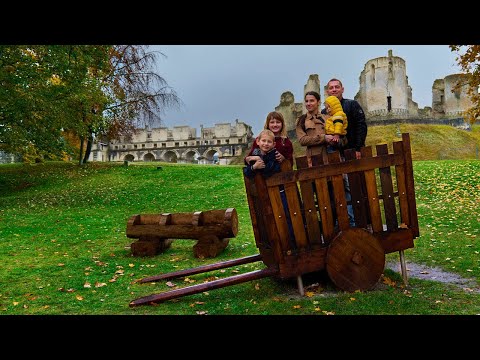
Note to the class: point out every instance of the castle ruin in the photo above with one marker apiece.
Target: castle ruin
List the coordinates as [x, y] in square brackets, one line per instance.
[386, 96]
[219, 144]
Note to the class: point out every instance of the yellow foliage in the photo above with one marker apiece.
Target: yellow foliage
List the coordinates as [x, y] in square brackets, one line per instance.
[55, 80]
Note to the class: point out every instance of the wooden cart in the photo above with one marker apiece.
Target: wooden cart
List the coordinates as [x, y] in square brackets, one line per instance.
[383, 199]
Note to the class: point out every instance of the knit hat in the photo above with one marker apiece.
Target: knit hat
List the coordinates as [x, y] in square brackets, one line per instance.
[334, 104]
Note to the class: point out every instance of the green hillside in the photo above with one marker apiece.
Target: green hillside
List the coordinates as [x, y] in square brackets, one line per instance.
[429, 142]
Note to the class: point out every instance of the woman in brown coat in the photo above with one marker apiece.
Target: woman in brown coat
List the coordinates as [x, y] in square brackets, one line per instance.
[310, 128]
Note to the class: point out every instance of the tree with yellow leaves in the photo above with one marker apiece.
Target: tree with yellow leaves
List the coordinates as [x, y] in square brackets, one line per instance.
[85, 91]
[468, 58]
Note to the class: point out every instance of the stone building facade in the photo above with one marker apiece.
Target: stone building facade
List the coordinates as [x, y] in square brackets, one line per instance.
[448, 100]
[385, 94]
[384, 89]
[6, 158]
[219, 144]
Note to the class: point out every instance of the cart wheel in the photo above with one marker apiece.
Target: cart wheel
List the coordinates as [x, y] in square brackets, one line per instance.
[355, 260]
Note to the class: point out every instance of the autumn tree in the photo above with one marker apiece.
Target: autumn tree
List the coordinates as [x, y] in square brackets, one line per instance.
[137, 94]
[44, 90]
[468, 58]
[51, 93]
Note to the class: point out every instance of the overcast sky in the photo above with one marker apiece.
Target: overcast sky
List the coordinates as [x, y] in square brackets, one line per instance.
[221, 83]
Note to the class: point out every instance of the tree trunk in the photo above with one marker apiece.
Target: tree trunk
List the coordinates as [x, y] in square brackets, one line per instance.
[88, 150]
[81, 151]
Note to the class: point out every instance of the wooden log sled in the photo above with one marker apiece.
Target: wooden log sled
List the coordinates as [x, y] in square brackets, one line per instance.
[155, 232]
[316, 209]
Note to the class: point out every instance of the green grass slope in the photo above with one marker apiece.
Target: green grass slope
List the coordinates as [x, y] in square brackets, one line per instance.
[429, 142]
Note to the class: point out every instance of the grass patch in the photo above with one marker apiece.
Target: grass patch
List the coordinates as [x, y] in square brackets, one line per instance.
[64, 248]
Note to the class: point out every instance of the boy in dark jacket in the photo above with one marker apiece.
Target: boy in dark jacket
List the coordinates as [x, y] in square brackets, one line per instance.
[263, 158]
[263, 161]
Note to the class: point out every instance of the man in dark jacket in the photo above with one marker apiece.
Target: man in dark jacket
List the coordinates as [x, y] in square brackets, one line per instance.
[356, 132]
[357, 127]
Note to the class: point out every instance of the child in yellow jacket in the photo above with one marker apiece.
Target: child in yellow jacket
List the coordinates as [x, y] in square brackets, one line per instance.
[336, 123]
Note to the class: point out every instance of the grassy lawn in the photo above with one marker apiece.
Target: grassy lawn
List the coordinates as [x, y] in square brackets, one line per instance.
[64, 250]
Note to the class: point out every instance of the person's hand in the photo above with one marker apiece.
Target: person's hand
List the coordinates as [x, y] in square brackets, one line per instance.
[259, 164]
[252, 158]
[279, 157]
[358, 154]
[328, 138]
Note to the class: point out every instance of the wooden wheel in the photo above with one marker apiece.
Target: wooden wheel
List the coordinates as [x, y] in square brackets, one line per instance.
[355, 260]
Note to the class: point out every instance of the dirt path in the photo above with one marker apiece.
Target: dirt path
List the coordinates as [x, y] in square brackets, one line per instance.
[435, 274]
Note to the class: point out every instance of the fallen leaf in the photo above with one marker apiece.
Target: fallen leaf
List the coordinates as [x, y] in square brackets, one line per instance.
[87, 285]
[170, 284]
[388, 281]
[309, 294]
[79, 297]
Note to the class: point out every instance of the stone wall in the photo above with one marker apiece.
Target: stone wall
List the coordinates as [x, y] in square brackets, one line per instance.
[179, 144]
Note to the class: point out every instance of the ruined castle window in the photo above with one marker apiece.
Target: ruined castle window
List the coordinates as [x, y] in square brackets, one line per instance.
[116, 147]
[372, 73]
[154, 145]
[227, 141]
[219, 141]
[164, 145]
[143, 145]
[206, 142]
[198, 142]
[390, 70]
[185, 143]
[389, 103]
[177, 144]
[134, 146]
[123, 146]
[149, 136]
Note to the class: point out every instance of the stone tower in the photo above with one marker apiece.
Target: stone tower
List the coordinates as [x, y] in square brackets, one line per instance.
[447, 99]
[384, 89]
[287, 109]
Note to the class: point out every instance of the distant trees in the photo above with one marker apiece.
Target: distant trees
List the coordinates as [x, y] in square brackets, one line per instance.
[468, 58]
[55, 99]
